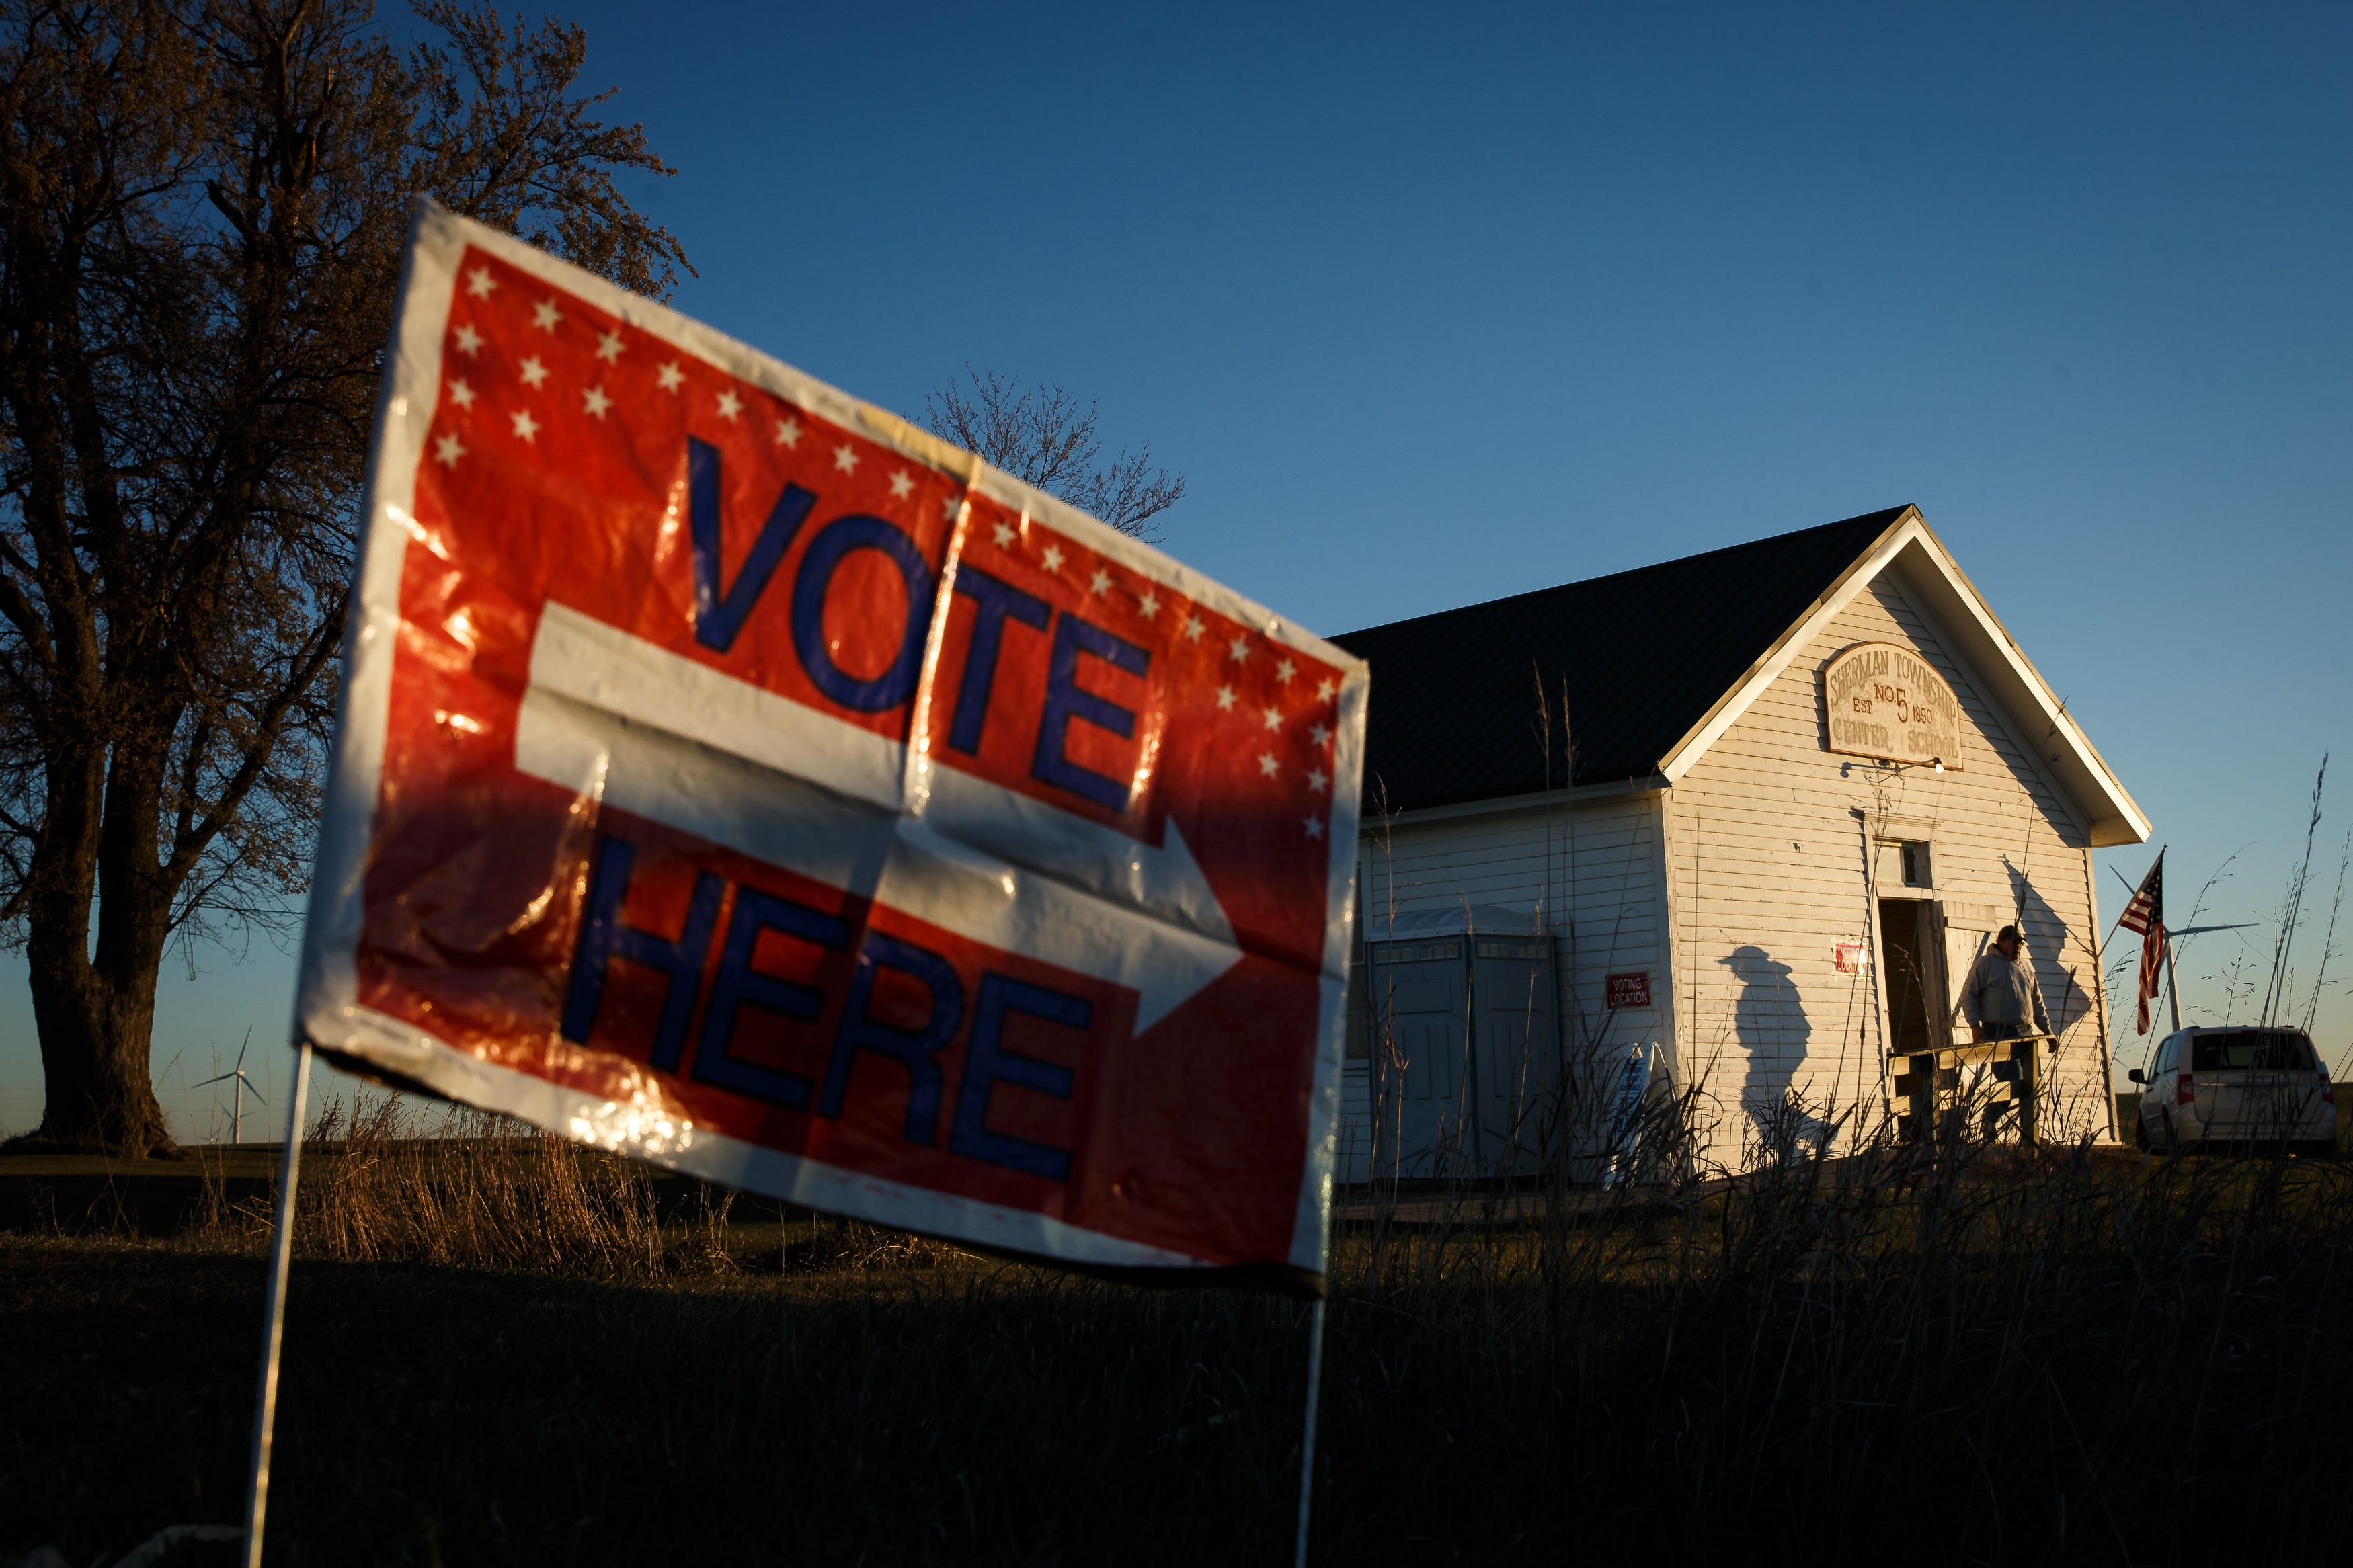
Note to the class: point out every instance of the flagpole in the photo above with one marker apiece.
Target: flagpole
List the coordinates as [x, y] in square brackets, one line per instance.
[1307, 1439]
[273, 1312]
[2172, 983]
[2152, 926]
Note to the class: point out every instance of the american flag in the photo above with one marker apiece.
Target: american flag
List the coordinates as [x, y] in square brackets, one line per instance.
[2146, 914]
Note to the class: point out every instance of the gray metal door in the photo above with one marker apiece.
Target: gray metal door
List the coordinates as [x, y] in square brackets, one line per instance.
[1516, 1054]
[1420, 1030]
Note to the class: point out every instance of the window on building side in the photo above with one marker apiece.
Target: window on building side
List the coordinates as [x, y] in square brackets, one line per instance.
[1916, 865]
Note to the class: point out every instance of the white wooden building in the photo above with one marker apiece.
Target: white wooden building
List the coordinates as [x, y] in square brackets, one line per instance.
[1742, 819]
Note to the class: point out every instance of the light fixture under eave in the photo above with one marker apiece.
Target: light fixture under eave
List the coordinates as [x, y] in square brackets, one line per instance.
[1940, 762]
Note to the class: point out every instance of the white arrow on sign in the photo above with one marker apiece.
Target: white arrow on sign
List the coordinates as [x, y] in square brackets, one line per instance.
[576, 656]
[647, 768]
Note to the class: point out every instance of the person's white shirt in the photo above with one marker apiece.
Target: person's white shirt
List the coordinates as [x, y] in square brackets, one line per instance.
[2001, 990]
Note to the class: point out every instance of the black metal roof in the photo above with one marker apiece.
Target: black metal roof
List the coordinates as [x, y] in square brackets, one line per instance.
[1643, 654]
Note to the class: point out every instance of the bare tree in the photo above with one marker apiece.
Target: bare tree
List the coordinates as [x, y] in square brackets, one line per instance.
[1044, 437]
[203, 205]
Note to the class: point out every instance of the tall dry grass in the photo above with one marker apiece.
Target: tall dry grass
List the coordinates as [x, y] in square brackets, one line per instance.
[1955, 1351]
[1994, 1353]
[387, 1182]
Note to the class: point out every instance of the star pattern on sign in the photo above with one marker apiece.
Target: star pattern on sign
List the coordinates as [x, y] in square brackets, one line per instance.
[532, 372]
[952, 507]
[788, 433]
[1319, 733]
[1148, 605]
[479, 283]
[470, 341]
[545, 315]
[670, 376]
[1268, 765]
[1052, 558]
[1318, 780]
[610, 346]
[1285, 670]
[1194, 628]
[1271, 718]
[1323, 690]
[1100, 583]
[902, 486]
[1225, 699]
[1239, 649]
[594, 401]
[448, 450]
[461, 394]
[730, 405]
[1003, 534]
[1314, 826]
[845, 458]
[525, 427]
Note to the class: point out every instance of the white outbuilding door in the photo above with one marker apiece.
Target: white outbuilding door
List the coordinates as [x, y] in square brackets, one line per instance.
[1461, 1057]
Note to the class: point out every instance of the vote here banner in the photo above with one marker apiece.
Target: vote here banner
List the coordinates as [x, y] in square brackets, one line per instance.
[733, 776]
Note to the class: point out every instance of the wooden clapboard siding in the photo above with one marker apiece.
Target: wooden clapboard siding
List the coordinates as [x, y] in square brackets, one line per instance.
[1765, 842]
[1599, 856]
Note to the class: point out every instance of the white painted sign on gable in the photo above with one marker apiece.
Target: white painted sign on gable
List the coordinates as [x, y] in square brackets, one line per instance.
[1882, 700]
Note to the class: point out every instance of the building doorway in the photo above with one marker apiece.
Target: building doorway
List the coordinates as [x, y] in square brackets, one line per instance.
[1915, 989]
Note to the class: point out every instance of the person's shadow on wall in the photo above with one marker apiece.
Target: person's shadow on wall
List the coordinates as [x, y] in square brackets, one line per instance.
[1769, 1021]
[2046, 942]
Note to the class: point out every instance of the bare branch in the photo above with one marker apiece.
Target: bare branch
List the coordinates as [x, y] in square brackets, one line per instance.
[1044, 437]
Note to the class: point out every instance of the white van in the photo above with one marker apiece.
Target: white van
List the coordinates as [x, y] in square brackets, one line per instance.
[2249, 1088]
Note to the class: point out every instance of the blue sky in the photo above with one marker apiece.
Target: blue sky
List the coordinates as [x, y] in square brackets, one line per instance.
[1430, 307]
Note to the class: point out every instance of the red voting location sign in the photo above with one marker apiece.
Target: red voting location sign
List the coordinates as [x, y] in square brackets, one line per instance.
[733, 776]
[1631, 989]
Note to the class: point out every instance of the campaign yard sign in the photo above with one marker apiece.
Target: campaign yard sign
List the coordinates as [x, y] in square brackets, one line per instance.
[733, 776]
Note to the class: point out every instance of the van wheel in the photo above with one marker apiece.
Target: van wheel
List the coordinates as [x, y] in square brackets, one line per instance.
[2140, 1134]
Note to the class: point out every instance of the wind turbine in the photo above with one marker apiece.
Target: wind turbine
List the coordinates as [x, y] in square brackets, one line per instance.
[238, 1083]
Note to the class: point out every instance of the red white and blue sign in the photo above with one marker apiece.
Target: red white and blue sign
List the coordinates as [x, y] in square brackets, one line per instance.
[733, 775]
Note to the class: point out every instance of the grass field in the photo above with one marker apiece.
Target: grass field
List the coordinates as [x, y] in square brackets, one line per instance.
[526, 1354]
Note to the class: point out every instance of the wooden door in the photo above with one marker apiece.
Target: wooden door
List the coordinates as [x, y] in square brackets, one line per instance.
[1964, 945]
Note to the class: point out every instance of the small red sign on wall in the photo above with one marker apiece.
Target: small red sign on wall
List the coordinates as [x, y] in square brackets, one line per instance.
[1631, 989]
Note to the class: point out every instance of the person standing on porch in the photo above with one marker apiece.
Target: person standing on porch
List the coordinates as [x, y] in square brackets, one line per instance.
[2001, 996]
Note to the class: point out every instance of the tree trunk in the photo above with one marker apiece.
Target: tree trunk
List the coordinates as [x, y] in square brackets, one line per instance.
[95, 1018]
[95, 1024]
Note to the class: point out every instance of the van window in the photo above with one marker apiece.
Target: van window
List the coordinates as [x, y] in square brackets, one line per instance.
[2280, 1050]
[2167, 1053]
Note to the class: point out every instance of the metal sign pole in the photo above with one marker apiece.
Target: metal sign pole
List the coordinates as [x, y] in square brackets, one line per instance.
[1307, 1438]
[273, 1312]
